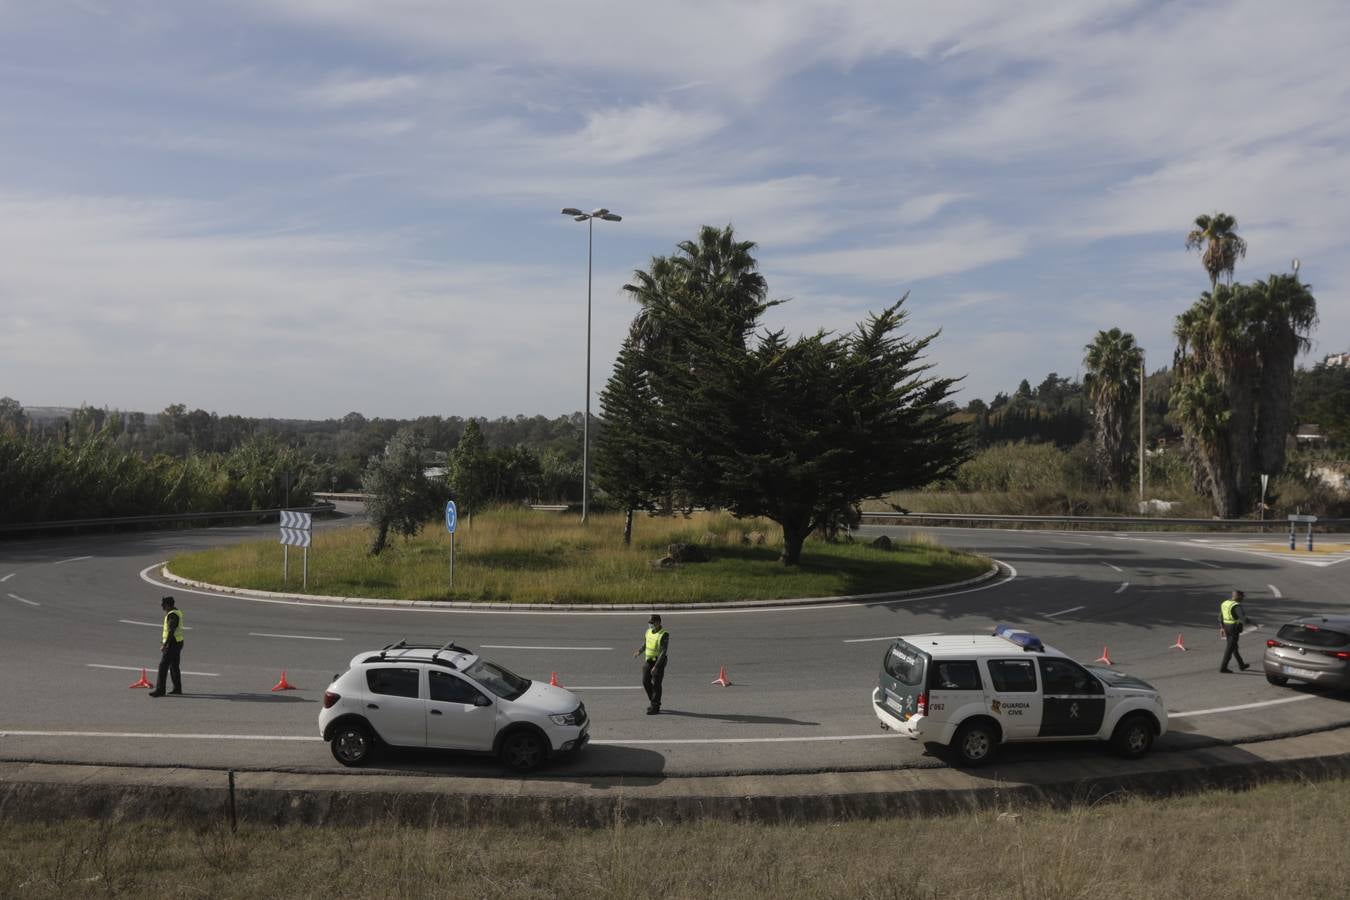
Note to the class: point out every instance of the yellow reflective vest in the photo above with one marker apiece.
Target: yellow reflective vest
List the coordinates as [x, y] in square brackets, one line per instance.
[1226, 611]
[653, 646]
[178, 627]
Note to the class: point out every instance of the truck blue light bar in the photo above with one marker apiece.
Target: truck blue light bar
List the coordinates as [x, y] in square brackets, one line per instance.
[1024, 639]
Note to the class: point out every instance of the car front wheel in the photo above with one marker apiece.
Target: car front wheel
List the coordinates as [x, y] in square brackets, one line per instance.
[975, 743]
[522, 751]
[353, 744]
[1133, 737]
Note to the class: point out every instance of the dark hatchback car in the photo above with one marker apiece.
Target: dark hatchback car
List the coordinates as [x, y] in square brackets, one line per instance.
[1313, 649]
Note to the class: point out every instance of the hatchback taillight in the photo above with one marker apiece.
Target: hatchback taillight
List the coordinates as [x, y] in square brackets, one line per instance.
[1273, 643]
[1339, 654]
[329, 698]
[922, 705]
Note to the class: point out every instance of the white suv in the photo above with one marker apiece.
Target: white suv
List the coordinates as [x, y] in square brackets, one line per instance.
[972, 692]
[446, 697]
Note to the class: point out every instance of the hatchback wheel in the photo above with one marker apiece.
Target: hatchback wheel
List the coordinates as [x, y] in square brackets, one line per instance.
[522, 751]
[1133, 737]
[353, 745]
[975, 743]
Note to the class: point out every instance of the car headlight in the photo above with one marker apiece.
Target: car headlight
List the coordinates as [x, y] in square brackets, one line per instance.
[566, 719]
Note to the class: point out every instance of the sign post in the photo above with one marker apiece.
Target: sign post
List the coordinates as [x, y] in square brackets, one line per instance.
[1293, 522]
[451, 520]
[1261, 510]
[296, 531]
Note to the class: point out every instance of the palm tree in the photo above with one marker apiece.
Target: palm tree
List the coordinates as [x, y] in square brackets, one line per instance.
[1112, 381]
[1285, 313]
[1222, 247]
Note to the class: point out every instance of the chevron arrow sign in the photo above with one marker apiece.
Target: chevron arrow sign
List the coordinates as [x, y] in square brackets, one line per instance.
[296, 520]
[295, 537]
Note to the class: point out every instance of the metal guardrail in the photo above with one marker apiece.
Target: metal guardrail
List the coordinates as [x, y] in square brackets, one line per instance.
[1155, 521]
[227, 515]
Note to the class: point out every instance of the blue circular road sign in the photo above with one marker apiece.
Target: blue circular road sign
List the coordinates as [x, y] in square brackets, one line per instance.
[451, 516]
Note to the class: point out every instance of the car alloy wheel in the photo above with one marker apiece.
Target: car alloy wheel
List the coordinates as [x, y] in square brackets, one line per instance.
[352, 745]
[523, 751]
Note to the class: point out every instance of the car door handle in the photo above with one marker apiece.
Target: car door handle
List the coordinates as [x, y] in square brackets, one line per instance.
[435, 712]
[372, 706]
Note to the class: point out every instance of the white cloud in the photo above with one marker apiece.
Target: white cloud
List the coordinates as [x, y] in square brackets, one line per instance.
[915, 257]
[651, 129]
[348, 91]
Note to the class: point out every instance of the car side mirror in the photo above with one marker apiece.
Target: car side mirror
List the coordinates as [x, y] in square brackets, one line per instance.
[480, 700]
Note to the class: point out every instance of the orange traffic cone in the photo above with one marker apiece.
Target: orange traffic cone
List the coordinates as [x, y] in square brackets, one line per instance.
[143, 683]
[553, 680]
[283, 684]
[722, 677]
[1105, 657]
[1180, 644]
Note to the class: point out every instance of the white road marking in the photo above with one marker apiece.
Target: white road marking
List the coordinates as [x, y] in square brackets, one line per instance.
[1276, 591]
[138, 668]
[1074, 543]
[21, 600]
[1224, 709]
[149, 624]
[1200, 562]
[379, 606]
[298, 637]
[1062, 612]
[1117, 568]
[7, 577]
[519, 647]
[891, 637]
[62, 562]
[603, 687]
[1123, 586]
[883, 736]
[144, 734]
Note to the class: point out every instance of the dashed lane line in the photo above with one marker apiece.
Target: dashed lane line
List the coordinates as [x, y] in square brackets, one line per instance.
[297, 637]
[1244, 706]
[146, 734]
[1123, 586]
[149, 624]
[888, 638]
[62, 562]
[520, 647]
[1109, 566]
[1200, 562]
[7, 578]
[22, 600]
[138, 668]
[1276, 591]
[1063, 612]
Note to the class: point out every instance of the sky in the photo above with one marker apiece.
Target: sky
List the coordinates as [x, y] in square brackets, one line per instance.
[304, 208]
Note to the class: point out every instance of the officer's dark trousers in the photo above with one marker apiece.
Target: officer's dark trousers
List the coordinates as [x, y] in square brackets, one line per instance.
[652, 673]
[1230, 650]
[168, 666]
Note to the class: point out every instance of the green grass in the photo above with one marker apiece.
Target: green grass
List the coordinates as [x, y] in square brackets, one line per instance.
[1277, 840]
[534, 557]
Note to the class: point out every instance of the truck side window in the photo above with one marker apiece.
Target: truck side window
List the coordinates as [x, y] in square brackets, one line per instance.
[1065, 677]
[1013, 676]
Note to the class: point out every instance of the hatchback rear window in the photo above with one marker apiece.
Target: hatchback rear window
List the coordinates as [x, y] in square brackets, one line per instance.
[905, 664]
[1313, 636]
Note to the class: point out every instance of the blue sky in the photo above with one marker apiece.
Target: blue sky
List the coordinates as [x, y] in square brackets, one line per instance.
[302, 208]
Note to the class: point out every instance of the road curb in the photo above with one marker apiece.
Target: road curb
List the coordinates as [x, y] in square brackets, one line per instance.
[935, 590]
[41, 792]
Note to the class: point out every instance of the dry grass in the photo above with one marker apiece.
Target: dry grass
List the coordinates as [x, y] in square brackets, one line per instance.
[525, 556]
[1276, 840]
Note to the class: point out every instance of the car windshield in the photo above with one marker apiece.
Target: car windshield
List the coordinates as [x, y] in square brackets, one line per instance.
[1313, 636]
[498, 679]
[904, 663]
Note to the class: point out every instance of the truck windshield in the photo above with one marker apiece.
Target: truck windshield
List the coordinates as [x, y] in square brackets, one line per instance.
[904, 663]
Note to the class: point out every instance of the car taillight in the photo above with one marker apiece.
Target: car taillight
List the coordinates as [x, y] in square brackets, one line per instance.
[1273, 643]
[922, 705]
[1339, 654]
[329, 698]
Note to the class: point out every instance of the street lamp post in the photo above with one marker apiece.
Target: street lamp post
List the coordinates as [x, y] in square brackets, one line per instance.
[589, 218]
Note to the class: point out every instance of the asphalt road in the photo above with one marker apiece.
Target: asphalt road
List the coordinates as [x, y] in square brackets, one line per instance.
[80, 616]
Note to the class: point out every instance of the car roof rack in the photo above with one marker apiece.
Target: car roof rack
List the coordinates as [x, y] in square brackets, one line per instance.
[437, 649]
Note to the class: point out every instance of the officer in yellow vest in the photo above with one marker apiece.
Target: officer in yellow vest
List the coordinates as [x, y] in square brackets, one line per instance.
[170, 649]
[653, 650]
[1232, 619]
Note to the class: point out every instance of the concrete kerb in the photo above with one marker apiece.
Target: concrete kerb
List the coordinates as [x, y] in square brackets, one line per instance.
[41, 792]
[883, 597]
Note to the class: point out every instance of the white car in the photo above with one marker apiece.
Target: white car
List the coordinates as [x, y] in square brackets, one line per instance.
[972, 692]
[446, 697]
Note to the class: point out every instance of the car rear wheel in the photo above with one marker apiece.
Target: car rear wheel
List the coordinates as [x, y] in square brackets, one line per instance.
[1277, 680]
[1133, 737]
[353, 744]
[975, 743]
[522, 751]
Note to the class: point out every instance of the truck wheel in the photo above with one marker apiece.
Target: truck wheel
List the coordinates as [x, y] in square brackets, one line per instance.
[1133, 736]
[975, 742]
